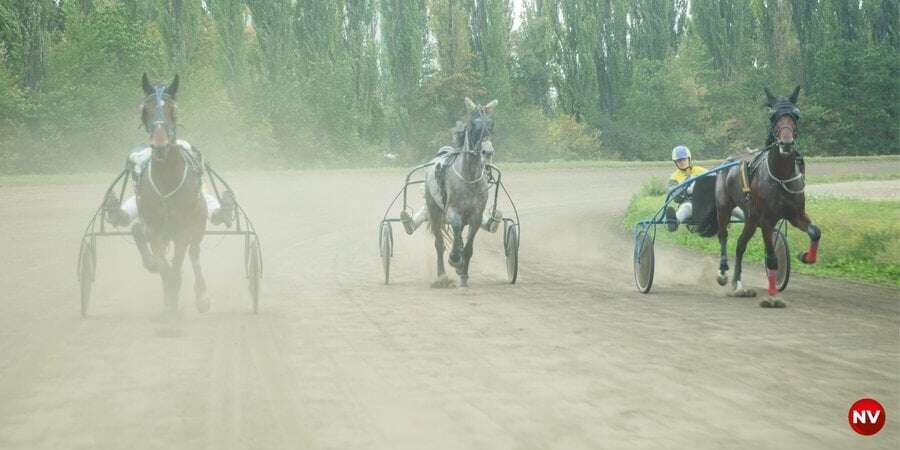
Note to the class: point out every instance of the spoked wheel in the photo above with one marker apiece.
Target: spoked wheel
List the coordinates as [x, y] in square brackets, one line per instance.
[784, 259]
[511, 248]
[643, 260]
[254, 271]
[87, 271]
[386, 248]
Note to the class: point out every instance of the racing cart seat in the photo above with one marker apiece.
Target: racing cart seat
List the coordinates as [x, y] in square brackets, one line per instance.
[703, 221]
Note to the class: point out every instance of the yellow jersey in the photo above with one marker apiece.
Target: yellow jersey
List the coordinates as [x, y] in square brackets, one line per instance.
[679, 176]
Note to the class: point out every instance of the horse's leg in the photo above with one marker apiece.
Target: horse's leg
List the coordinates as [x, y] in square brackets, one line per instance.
[436, 223]
[768, 229]
[174, 286]
[456, 225]
[803, 222]
[201, 300]
[158, 247]
[724, 219]
[150, 261]
[739, 291]
[467, 253]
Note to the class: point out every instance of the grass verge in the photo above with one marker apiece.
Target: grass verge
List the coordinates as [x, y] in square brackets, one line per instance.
[860, 238]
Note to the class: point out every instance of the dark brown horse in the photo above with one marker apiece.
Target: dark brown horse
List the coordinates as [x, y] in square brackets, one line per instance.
[776, 183]
[170, 205]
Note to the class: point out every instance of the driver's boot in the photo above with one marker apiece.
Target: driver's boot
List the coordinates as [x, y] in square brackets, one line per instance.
[671, 220]
[492, 222]
[411, 223]
[112, 208]
[225, 213]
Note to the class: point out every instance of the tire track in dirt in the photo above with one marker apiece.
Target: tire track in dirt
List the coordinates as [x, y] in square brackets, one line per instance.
[570, 357]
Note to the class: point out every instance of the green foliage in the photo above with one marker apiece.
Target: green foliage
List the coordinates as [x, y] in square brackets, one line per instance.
[310, 82]
[860, 239]
[654, 187]
[573, 140]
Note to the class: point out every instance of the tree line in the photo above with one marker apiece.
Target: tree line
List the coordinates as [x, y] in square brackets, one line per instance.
[295, 83]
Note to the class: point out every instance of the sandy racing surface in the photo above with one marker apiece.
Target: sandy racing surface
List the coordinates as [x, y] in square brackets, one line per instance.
[571, 357]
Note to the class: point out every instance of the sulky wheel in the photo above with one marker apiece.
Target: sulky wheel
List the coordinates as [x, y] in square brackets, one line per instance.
[87, 271]
[254, 271]
[511, 248]
[784, 259]
[386, 248]
[643, 260]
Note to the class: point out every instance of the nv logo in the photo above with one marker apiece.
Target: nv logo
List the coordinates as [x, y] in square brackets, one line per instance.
[866, 417]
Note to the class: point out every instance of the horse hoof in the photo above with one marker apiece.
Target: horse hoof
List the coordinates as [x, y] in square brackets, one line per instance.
[203, 304]
[778, 304]
[151, 265]
[722, 280]
[170, 314]
[742, 293]
[803, 258]
[463, 283]
[766, 304]
[442, 283]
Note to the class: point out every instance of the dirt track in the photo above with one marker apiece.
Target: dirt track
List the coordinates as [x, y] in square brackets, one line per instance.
[571, 357]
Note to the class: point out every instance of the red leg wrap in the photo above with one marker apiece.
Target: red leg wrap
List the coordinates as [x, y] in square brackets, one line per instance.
[773, 280]
[811, 254]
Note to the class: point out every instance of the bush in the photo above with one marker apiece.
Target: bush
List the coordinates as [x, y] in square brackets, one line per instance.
[573, 140]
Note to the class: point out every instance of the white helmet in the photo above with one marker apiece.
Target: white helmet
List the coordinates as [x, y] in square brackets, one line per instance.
[680, 152]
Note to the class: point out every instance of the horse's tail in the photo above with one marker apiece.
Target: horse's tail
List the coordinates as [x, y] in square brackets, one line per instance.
[445, 233]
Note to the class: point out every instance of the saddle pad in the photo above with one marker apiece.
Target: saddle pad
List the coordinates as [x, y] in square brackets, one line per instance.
[139, 158]
[436, 174]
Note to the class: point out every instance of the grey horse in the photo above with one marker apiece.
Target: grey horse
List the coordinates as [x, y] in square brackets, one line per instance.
[456, 191]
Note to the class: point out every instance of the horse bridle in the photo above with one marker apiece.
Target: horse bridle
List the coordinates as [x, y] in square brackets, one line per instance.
[777, 142]
[467, 150]
[779, 110]
[776, 131]
[159, 120]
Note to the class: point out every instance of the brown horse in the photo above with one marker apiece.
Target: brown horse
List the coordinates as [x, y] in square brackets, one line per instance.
[776, 184]
[170, 205]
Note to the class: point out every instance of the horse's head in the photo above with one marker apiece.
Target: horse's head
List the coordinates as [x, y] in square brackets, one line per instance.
[158, 115]
[479, 128]
[783, 120]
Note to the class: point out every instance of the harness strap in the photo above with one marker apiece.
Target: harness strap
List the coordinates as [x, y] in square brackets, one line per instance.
[745, 182]
[466, 149]
[187, 165]
[784, 183]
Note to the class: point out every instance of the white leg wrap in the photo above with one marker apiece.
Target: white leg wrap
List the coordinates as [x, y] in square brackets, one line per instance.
[421, 216]
[130, 207]
[212, 204]
[737, 213]
[684, 212]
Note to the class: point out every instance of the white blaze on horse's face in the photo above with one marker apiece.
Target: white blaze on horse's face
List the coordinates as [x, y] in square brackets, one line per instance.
[158, 114]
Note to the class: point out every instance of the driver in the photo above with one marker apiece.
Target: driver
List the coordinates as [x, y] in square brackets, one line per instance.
[684, 170]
